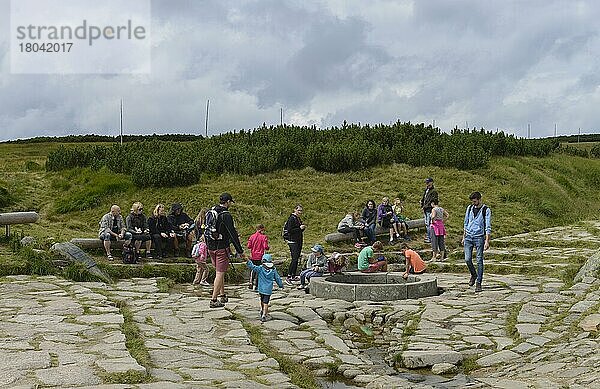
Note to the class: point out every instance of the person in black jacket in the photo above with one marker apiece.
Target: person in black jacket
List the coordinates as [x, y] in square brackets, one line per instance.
[161, 231]
[218, 247]
[429, 195]
[292, 233]
[369, 219]
[137, 225]
[182, 225]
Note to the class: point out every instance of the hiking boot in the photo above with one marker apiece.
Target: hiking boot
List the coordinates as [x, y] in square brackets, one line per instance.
[478, 287]
[472, 280]
[216, 304]
[288, 281]
[204, 283]
[300, 287]
[263, 318]
[223, 298]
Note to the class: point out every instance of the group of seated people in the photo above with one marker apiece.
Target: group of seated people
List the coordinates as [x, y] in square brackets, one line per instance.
[165, 231]
[386, 215]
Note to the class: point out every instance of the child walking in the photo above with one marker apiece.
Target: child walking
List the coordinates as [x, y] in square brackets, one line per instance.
[266, 275]
[200, 253]
[258, 243]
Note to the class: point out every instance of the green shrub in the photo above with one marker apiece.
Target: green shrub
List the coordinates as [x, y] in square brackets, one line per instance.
[31, 166]
[595, 151]
[5, 198]
[352, 147]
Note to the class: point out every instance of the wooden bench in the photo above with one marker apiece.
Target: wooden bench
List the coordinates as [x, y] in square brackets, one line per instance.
[94, 243]
[10, 218]
[336, 237]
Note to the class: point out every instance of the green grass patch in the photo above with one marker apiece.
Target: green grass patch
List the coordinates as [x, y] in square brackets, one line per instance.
[511, 320]
[127, 377]
[469, 364]
[134, 340]
[298, 373]
[165, 284]
[91, 188]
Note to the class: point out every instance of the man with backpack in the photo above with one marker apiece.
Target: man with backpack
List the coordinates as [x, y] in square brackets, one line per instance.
[220, 232]
[477, 231]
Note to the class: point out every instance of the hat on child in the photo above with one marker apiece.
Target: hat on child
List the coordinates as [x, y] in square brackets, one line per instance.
[317, 249]
[267, 260]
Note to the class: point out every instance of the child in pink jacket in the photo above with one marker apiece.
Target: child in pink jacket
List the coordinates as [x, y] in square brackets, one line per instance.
[200, 253]
[258, 243]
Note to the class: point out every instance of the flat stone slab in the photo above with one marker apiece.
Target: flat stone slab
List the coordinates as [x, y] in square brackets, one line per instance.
[119, 365]
[66, 376]
[590, 322]
[415, 358]
[496, 358]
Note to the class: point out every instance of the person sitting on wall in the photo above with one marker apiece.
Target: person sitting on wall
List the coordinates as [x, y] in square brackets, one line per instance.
[112, 228]
[182, 225]
[351, 224]
[137, 225]
[371, 259]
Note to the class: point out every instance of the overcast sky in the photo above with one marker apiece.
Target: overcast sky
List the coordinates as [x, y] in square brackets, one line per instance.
[491, 64]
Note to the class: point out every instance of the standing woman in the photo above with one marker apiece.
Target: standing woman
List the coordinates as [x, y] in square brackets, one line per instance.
[293, 231]
[438, 230]
[161, 231]
[369, 219]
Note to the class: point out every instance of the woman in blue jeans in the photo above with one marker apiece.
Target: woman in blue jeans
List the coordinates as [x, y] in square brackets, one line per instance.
[477, 231]
[369, 219]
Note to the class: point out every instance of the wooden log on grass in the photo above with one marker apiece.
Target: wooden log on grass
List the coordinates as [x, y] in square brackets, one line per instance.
[335, 237]
[10, 218]
[95, 243]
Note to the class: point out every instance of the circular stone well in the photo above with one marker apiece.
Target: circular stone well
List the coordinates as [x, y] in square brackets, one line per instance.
[373, 286]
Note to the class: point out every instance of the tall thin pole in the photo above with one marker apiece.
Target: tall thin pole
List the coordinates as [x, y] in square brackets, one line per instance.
[433, 123]
[529, 131]
[281, 116]
[578, 134]
[121, 122]
[206, 122]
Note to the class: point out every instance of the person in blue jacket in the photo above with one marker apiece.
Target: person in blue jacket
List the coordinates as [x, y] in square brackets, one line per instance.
[266, 275]
[477, 231]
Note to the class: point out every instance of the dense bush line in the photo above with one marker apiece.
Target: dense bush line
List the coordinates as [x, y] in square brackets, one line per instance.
[266, 149]
[92, 138]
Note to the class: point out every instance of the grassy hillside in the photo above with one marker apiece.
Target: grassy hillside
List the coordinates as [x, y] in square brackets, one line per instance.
[524, 193]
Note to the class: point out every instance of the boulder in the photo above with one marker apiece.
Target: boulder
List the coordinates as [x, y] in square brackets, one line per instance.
[73, 253]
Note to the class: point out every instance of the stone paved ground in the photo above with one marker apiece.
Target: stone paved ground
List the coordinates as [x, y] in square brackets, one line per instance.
[519, 332]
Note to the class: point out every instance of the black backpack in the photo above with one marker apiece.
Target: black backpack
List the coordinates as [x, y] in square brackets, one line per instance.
[212, 219]
[129, 254]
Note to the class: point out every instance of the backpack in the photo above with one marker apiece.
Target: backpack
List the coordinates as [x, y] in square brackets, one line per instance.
[129, 254]
[212, 231]
[196, 250]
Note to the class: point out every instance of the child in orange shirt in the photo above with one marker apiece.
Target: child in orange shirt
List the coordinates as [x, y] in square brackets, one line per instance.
[414, 263]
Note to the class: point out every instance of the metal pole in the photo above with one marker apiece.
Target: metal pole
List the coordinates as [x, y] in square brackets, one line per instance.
[121, 122]
[281, 116]
[206, 122]
[555, 130]
[578, 134]
[529, 131]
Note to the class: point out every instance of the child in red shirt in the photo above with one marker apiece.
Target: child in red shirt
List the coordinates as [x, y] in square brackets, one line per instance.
[258, 243]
